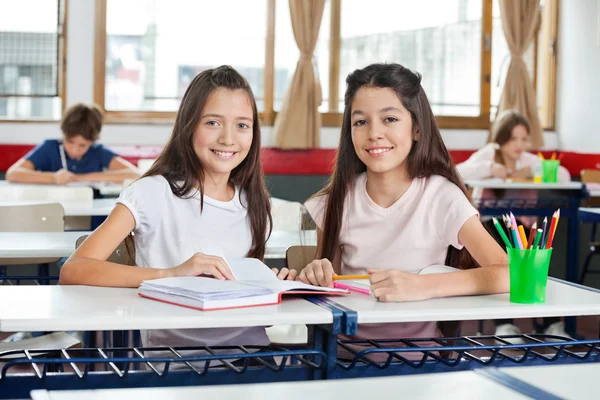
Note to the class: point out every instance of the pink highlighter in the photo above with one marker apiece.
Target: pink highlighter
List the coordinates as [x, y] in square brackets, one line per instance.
[339, 285]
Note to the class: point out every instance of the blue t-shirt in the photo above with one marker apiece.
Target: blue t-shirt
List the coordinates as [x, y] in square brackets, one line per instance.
[46, 158]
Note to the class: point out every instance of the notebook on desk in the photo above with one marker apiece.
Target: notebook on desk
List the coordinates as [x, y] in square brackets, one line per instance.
[255, 285]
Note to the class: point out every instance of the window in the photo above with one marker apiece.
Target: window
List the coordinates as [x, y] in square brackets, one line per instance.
[539, 60]
[460, 51]
[31, 59]
[151, 58]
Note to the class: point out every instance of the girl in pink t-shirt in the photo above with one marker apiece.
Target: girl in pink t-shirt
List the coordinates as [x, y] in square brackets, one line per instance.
[395, 204]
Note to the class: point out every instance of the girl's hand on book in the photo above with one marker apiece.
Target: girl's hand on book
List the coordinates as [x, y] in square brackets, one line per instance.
[202, 264]
[390, 285]
[285, 274]
[318, 273]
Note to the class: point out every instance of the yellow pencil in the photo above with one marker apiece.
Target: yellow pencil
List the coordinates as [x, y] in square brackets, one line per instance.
[523, 237]
[553, 156]
[541, 156]
[342, 277]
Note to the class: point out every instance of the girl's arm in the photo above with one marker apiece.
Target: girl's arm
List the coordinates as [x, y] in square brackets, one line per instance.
[479, 165]
[88, 265]
[394, 285]
[119, 169]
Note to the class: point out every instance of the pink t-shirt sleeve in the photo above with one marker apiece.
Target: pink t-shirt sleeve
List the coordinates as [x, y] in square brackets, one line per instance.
[450, 213]
[316, 209]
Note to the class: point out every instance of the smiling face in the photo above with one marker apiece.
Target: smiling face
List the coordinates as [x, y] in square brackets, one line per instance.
[223, 136]
[382, 131]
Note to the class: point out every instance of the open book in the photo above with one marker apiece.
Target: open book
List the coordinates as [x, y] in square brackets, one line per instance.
[255, 285]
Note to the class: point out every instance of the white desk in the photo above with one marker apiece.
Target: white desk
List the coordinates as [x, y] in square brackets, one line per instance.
[575, 381]
[74, 208]
[65, 308]
[561, 300]
[450, 385]
[501, 184]
[62, 244]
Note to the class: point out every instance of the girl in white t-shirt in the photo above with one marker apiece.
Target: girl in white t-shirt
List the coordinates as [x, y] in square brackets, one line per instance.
[395, 204]
[203, 199]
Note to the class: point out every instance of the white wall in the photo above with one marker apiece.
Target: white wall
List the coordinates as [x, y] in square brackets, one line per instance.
[578, 76]
[80, 81]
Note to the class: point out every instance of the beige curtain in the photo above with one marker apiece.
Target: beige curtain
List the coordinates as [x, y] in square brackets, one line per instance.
[520, 19]
[298, 123]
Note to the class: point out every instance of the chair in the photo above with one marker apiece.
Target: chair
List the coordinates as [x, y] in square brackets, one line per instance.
[120, 256]
[298, 257]
[31, 218]
[50, 193]
[287, 215]
[591, 176]
[144, 164]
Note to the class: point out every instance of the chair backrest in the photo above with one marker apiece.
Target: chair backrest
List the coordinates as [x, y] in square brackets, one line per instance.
[17, 191]
[298, 257]
[119, 256]
[31, 218]
[287, 215]
[591, 176]
[48, 217]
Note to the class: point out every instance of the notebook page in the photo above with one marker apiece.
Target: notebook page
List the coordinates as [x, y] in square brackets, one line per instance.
[437, 269]
[250, 269]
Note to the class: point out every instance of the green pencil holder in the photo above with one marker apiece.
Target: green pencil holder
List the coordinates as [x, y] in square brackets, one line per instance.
[528, 275]
[550, 171]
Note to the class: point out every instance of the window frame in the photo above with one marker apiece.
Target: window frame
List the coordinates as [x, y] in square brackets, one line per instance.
[333, 117]
[62, 70]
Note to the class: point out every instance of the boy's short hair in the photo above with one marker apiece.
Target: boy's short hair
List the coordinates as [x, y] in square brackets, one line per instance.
[82, 120]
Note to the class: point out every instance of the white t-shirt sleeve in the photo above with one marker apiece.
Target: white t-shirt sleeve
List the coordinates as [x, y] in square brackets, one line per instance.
[145, 199]
[452, 210]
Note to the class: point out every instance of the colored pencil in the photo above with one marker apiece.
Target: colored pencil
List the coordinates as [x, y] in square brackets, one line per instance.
[540, 155]
[551, 231]
[536, 241]
[344, 277]
[560, 156]
[532, 232]
[523, 237]
[516, 229]
[544, 232]
[501, 232]
[515, 235]
[553, 156]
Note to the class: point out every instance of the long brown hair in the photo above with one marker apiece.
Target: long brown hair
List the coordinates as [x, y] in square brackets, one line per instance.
[180, 165]
[428, 156]
[502, 129]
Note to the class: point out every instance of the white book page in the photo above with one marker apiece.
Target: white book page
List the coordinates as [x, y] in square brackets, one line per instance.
[250, 269]
[437, 269]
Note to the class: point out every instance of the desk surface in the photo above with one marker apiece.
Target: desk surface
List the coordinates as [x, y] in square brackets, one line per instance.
[62, 244]
[450, 385]
[501, 184]
[64, 308]
[561, 300]
[574, 381]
